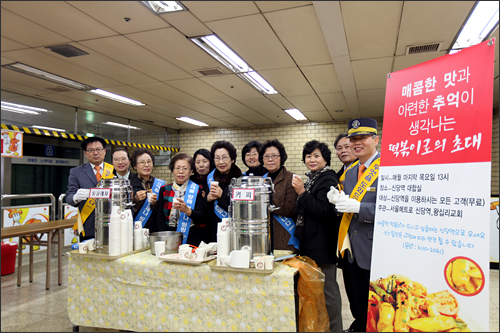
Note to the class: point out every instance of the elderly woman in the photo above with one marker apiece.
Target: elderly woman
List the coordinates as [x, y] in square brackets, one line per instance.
[319, 223]
[224, 155]
[143, 160]
[250, 156]
[180, 210]
[203, 166]
[273, 156]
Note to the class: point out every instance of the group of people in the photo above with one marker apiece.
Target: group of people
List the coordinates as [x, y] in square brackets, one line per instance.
[317, 217]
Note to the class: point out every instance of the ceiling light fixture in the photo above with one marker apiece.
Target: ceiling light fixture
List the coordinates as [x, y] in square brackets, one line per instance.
[480, 24]
[192, 121]
[49, 128]
[160, 7]
[116, 97]
[18, 108]
[25, 69]
[296, 114]
[223, 54]
[121, 125]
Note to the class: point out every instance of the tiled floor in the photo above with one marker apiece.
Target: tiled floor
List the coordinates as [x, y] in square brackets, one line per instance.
[31, 308]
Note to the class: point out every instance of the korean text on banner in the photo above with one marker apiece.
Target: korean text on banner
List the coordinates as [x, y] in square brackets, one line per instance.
[431, 233]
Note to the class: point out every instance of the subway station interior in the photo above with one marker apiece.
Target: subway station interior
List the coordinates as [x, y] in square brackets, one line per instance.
[144, 73]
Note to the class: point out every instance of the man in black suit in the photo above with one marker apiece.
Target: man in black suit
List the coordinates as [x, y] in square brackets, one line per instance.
[346, 156]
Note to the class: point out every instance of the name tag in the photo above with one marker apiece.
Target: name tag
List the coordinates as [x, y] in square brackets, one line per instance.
[371, 189]
[100, 193]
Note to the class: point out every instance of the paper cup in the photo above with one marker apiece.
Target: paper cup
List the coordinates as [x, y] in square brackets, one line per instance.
[259, 262]
[201, 253]
[160, 248]
[269, 262]
[83, 247]
[214, 183]
[150, 196]
[91, 244]
[185, 252]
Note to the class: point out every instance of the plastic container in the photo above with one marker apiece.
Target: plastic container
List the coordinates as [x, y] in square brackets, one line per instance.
[9, 257]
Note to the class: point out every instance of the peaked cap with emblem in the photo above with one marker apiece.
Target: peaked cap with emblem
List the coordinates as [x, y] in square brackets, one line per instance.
[362, 126]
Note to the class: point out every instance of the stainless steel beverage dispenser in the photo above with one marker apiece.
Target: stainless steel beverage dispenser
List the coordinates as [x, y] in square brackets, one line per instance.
[121, 195]
[250, 219]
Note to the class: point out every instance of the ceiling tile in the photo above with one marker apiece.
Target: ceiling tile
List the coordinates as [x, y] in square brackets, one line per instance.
[209, 110]
[236, 108]
[259, 120]
[232, 86]
[281, 80]
[207, 11]
[371, 98]
[372, 112]
[371, 73]
[10, 45]
[283, 118]
[438, 21]
[185, 54]
[280, 101]
[236, 121]
[26, 32]
[254, 41]
[167, 92]
[371, 27]
[318, 116]
[262, 106]
[334, 101]
[112, 14]
[187, 24]
[22, 89]
[44, 61]
[137, 57]
[200, 90]
[299, 30]
[270, 6]
[62, 17]
[307, 103]
[322, 78]
[402, 62]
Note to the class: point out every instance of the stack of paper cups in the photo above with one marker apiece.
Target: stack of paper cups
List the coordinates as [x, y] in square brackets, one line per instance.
[124, 226]
[137, 235]
[130, 230]
[223, 239]
[114, 232]
[145, 237]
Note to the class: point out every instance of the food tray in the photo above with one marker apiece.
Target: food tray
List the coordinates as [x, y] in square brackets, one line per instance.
[213, 266]
[174, 258]
[94, 254]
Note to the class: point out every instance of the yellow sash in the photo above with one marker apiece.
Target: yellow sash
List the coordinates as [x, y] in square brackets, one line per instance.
[89, 206]
[342, 178]
[359, 191]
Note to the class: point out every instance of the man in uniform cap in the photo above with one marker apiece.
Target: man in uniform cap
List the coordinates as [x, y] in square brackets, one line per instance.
[356, 230]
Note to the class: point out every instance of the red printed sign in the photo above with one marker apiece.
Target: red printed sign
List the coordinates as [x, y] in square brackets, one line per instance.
[439, 109]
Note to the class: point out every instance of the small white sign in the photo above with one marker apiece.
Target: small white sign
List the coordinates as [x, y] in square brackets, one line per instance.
[100, 193]
[243, 194]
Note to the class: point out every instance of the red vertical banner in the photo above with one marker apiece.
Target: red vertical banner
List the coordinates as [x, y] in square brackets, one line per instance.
[430, 256]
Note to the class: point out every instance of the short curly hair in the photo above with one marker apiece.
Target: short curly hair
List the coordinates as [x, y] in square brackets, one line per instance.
[278, 145]
[138, 152]
[181, 156]
[310, 146]
[248, 147]
[226, 145]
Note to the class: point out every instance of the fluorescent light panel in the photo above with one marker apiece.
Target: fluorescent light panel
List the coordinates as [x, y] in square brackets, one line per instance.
[25, 69]
[296, 114]
[116, 97]
[49, 128]
[222, 53]
[121, 125]
[160, 7]
[192, 121]
[19, 108]
[480, 24]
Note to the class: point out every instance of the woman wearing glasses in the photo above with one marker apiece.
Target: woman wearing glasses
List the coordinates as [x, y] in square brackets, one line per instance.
[273, 156]
[143, 160]
[250, 156]
[319, 224]
[181, 205]
[224, 155]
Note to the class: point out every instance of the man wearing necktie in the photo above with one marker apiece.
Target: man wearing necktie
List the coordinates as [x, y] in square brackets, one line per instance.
[83, 178]
[356, 230]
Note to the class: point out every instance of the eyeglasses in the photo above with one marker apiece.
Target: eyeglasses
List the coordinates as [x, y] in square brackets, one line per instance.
[183, 169]
[254, 154]
[223, 159]
[270, 157]
[92, 150]
[143, 163]
[124, 159]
